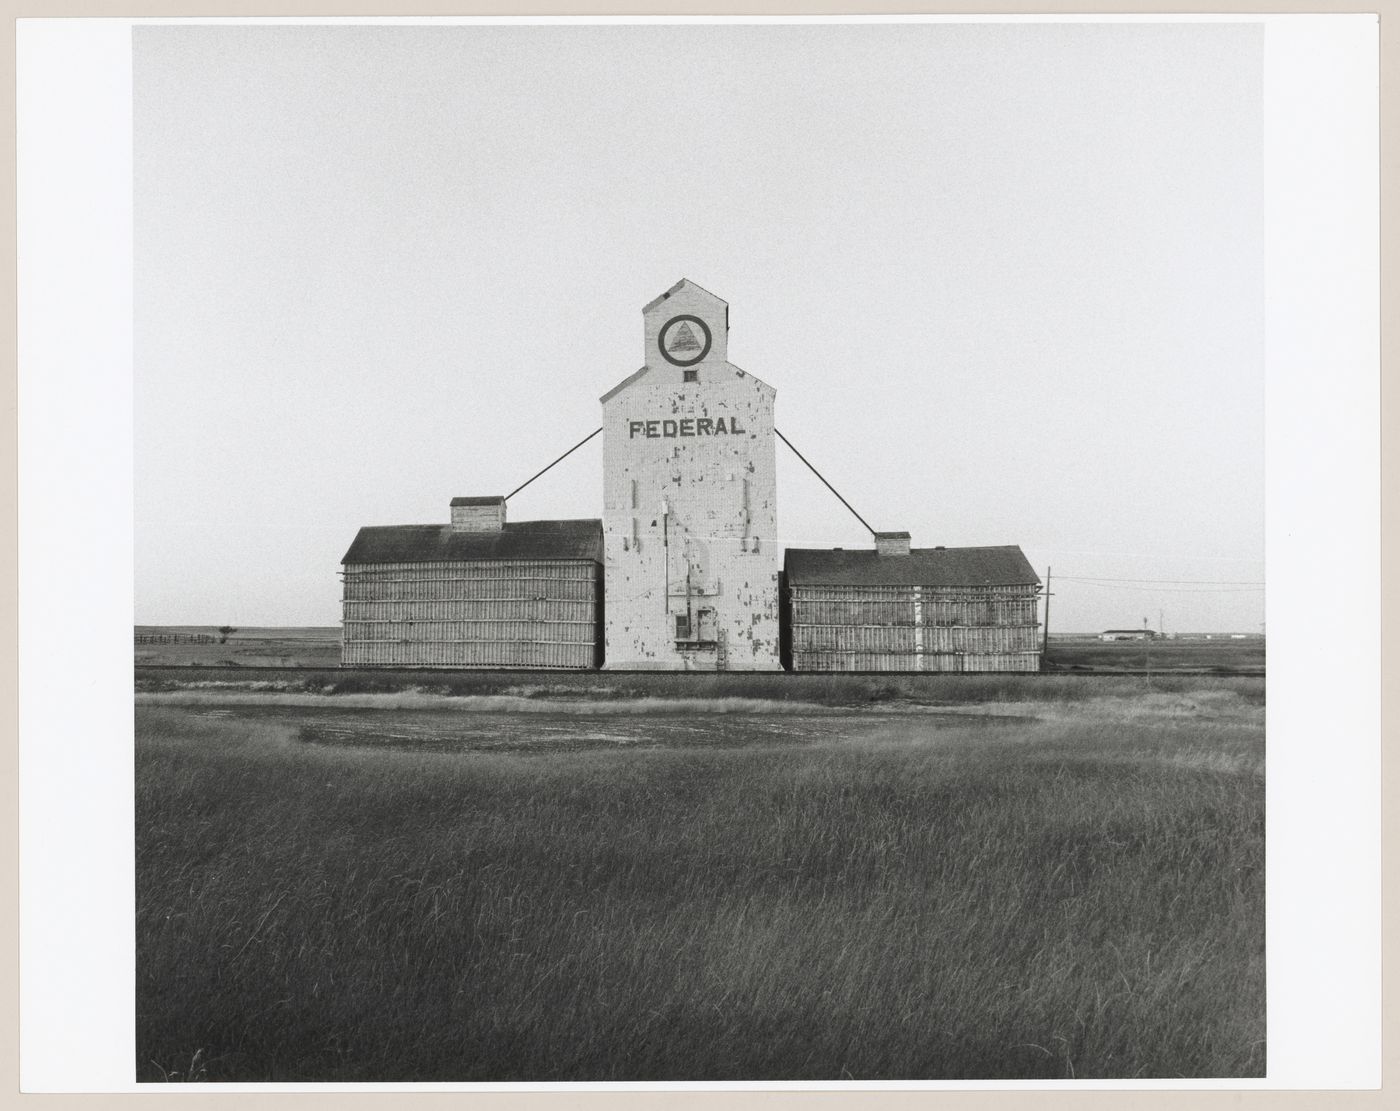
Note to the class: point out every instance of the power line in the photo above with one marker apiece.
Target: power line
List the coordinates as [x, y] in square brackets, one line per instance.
[1171, 589]
[1157, 555]
[1193, 582]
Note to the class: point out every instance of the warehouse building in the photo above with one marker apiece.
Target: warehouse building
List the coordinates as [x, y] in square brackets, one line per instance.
[476, 592]
[897, 608]
[690, 500]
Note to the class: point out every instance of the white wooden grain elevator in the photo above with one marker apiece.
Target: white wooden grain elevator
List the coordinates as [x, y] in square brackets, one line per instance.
[689, 500]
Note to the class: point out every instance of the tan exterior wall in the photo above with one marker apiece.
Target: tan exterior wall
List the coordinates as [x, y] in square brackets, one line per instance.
[690, 508]
[485, 614]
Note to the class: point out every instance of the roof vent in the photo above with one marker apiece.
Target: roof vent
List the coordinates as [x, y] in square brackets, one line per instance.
[940, 547]
[892, 543]
[478, 514]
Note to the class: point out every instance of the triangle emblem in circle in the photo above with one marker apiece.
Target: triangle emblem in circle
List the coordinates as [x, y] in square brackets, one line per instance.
[683, 339]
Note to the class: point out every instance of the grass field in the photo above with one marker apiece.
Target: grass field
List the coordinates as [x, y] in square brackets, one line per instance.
[370, 886]
[266, 646]
[833, 689]
[1192, 653]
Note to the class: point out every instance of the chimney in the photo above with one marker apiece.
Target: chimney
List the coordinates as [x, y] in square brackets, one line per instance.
[478, 514]
[892, 543]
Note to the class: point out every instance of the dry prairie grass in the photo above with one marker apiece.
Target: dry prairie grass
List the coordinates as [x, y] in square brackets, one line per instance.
[1077, 896]
[825, 689]
[477, 704]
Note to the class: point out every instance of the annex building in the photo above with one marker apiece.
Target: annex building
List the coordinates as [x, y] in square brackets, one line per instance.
[474, 592]
[899, 608]
[683, 571]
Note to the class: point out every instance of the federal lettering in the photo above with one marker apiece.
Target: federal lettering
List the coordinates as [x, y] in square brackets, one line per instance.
[688, 426]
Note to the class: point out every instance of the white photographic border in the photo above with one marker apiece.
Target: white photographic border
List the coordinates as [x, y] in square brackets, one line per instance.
[76, 568]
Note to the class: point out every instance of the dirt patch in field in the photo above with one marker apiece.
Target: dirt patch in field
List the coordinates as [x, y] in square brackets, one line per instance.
[412, 729]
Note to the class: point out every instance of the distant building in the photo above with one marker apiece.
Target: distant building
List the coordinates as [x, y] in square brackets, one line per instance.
[476, 592]
[1128, 634]
[897, 608]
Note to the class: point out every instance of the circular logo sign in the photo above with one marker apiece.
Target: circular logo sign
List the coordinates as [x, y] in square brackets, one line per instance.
[684, 340]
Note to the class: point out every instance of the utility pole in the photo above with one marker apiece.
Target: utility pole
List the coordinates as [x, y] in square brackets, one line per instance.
[1147, 648]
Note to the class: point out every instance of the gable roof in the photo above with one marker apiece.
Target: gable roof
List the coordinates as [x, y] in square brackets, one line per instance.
[623, 384]
[676, 289]
[1004, 565]
[538, 540]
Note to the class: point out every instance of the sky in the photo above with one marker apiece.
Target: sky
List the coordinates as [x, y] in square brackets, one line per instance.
[1007, 280]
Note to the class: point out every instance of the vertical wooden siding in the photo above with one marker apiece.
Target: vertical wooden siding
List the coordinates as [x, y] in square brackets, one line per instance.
[911, 628]
[489, 613]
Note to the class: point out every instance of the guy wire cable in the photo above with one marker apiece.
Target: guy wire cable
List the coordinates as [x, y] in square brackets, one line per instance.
[559, 460]
[825, 483]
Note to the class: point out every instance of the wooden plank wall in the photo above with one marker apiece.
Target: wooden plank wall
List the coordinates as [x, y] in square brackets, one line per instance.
[910, 628]
[916, 661]
[497, 613]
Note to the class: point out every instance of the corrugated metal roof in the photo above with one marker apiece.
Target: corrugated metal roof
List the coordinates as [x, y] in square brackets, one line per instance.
[1004, 565]
[495, 499]
[517, 540]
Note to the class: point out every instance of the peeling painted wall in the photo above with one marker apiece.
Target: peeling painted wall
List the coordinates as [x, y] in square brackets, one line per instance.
[690, 501]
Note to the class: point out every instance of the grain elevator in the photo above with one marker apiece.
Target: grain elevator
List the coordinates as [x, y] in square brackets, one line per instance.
[689, 500]
[684, 572]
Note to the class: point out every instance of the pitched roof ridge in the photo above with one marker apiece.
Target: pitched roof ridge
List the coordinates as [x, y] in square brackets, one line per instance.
[990, 564]
[569, 539]
[967, 548]
[749, 374]
[657, 300]
[667, 295]
[508, 524]
[625, 383]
